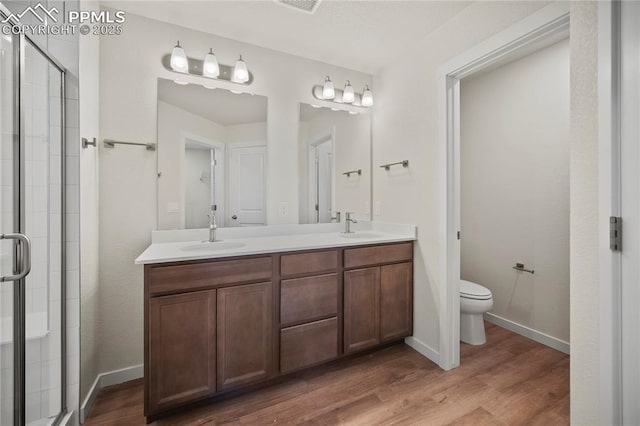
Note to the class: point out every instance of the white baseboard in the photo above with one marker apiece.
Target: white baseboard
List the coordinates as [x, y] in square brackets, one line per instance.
[109, 378]
[532, 334]
[423, 349]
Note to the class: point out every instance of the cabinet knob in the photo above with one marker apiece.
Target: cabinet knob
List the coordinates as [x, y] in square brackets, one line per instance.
[234, 217]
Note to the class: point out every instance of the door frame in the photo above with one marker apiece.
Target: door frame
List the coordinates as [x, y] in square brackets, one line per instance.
[221, 201]
[542, 28]
[329, 136]
[614, 41]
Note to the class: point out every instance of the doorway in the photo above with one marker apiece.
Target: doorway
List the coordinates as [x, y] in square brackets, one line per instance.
[321, 183]
[32, 252]
[549, 25]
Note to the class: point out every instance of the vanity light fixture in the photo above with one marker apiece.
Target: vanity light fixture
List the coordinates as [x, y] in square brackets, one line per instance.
[342, 99]
[328, 91]
[206, 69]
[367, 97]
[210, 67]
[179, 60]
[240, 71]
[347, 94]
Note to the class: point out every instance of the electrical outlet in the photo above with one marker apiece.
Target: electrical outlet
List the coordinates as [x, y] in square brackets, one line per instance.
[377, 208]
[283, 209]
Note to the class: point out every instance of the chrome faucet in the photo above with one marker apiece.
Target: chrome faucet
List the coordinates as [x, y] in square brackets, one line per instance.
[335, 218]
[347, 223]
[212, 224]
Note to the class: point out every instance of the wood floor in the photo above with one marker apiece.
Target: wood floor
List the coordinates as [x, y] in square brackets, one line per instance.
[509, 381]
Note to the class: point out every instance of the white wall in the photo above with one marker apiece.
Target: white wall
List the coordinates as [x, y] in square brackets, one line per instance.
[129, 67]
[405, 127]
[515, 187]
[588, 365]
[89, 219]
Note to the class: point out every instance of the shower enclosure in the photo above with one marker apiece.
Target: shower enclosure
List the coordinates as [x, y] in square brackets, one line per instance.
[32, 286]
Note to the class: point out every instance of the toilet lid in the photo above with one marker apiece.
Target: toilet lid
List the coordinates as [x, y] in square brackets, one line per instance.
[471, 290]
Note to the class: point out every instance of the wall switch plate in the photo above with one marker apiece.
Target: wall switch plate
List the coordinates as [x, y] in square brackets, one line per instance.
[377, 209]
[283, 209]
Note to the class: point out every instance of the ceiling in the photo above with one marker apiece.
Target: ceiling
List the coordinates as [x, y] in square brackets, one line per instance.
[217, 105]
[360, 35]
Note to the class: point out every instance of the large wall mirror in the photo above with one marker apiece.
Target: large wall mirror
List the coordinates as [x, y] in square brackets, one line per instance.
[334, 161]
[212, 155]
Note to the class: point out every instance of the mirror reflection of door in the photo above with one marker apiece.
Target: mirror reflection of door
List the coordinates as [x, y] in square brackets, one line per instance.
[321, 179]
[204, 181]
[247, 184]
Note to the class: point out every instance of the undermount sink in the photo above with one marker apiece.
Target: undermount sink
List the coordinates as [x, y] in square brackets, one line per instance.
[361, 235]
[216, 245]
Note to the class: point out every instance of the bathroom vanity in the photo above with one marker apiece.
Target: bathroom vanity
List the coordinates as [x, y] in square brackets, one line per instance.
[219, 321]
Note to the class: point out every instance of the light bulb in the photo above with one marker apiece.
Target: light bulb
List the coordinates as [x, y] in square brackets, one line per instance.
[367, 97]
[347, 95]
[210, 68]
[240, 71]
[328, 91]
[179, 60]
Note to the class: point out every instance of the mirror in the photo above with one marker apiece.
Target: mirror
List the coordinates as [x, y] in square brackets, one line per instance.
[335, 164]
[212, 154]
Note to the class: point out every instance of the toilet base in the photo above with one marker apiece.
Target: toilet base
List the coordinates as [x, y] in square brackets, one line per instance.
[472, 329]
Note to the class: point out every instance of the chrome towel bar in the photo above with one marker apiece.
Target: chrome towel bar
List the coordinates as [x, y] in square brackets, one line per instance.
[404, 163]
[110, 143]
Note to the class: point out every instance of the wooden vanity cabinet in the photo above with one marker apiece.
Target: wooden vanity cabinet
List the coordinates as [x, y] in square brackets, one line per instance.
[182, 332]
[244, 334]
[378, 301]
[216, 326]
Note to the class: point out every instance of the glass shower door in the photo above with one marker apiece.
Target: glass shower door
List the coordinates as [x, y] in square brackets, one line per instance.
[42, 207]
[32, 327]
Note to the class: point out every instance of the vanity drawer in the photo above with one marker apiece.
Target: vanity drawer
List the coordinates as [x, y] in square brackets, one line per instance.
[306, 299]
[308, 344]
[376, 255]
[309, 263]
[194, 276]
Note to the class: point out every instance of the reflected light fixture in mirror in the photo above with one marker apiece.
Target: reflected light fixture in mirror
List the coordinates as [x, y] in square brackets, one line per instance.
[179, 61]
[328, 91]
[347, 94]
[210, 67]
[367, 97]
[240, 71]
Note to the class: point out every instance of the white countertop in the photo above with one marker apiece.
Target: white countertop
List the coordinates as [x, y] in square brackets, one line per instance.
[284, 238]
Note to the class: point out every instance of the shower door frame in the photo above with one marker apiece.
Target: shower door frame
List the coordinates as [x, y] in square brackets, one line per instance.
[19, 44]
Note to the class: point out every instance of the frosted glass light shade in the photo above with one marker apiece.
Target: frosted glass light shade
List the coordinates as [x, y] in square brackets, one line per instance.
[179, 60]
[328, 91]
[240, 71]
[367, 97]
[347, 95]
[210, 67]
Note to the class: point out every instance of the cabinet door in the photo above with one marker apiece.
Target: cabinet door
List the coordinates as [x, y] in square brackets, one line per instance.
[245, 334]
[361, 309]
[396, 301]
[182, 348]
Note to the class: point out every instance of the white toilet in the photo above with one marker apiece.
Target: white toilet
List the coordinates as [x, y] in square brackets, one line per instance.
[475, 300]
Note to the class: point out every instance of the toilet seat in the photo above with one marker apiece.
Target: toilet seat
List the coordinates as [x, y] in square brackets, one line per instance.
[470, 290]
